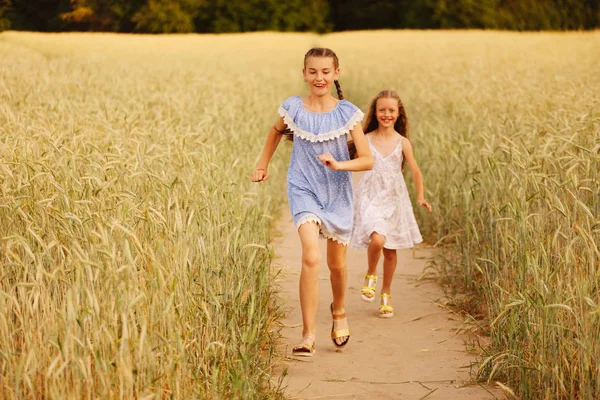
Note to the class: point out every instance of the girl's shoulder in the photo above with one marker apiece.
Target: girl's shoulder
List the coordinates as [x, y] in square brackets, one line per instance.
[318, 127]
[295, 102]
[348, 103]
[406, 144]
[292, 100]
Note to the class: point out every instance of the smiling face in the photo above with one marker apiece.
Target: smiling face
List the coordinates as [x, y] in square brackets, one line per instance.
[386, 111]
[319, 73]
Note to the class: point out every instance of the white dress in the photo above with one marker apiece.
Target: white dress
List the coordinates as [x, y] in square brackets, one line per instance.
[382, 205]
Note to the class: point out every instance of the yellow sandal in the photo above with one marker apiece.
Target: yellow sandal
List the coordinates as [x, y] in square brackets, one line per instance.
[369, 288]
[340, 333]
[386, 310]
[306, 348]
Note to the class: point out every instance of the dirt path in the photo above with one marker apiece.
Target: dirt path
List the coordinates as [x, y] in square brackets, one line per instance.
[414, 355]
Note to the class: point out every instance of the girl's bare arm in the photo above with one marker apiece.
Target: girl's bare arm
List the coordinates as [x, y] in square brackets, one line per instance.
[271, 143]
[364, 159]
[416, 173]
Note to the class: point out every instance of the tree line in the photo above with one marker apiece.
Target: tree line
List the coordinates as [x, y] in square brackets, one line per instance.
[220, 16]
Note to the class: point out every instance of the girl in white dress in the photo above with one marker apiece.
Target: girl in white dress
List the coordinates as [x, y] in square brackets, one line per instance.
[383, 215]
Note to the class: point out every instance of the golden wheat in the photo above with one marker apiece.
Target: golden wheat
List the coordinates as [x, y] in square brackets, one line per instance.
[134, 251]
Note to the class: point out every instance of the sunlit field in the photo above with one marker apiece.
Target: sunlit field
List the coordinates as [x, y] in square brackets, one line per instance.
[134, 251]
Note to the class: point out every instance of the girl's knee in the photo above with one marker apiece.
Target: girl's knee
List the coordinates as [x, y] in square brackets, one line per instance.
[377, 240]
[389, 254]
[337, 265]
[311, 259]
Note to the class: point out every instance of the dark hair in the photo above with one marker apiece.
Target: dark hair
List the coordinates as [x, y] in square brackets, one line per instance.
[319, 52]
[370, 123]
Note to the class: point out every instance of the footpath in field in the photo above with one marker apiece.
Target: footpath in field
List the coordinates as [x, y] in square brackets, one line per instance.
[414, 355]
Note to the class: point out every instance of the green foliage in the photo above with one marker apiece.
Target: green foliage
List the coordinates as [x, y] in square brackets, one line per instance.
[464, 13]
[102, 15]
[264, 15]
[218, 16]
[38, 15]
[164, 16]
[4, 21]
[450, 14]
[365, 14]
[543, 15]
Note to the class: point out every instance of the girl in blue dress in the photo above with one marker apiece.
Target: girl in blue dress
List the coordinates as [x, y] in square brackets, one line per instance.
[319, 185]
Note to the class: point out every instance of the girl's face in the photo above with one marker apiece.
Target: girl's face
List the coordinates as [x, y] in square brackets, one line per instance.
[319, 73]
[386, 111]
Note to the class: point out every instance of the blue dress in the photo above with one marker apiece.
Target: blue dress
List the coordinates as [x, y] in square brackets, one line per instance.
[315, 192]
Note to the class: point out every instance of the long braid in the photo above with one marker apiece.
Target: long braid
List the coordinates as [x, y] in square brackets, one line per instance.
[351, 145]
[339, 90]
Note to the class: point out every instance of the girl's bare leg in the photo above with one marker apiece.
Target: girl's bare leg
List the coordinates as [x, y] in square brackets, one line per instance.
[373, 254]
[309, 278]
[389, 267]
[338, 273]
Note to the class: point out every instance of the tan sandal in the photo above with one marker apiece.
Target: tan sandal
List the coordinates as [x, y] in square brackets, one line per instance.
[385, 309]
[367, 293]
[340, 333]
[306, 348]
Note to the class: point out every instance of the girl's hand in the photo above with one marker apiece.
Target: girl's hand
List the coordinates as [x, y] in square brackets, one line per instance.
[260, 175]
[328, 161]
[424, 204]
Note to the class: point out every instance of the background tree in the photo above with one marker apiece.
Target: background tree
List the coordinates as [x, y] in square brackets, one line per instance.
[447, 14]
[548, 14]
[37, 15]
[4, 17]
[102, 15]
[260, 15]
[167, 16]
[367, 14]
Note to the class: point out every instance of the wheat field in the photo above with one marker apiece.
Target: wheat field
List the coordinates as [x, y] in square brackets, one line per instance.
[134, 251]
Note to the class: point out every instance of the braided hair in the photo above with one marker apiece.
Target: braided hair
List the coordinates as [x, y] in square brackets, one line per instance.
[339, 89]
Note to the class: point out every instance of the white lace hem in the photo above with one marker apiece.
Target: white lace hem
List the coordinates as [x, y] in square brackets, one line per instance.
[309, 218]
[323, 233]
[361, 240]
[335, 237]
[322, 137]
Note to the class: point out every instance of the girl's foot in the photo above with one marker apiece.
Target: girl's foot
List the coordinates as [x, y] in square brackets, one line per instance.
[385, 309]
[367, 292]
[306, 348]
[340, 334]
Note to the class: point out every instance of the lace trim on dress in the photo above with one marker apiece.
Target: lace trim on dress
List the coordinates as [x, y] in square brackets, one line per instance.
[325, 234]
[309, 218]
[335, 237]
[322, 137]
